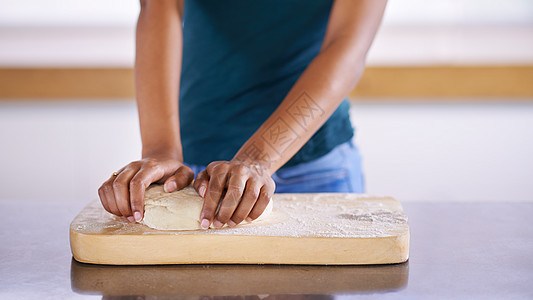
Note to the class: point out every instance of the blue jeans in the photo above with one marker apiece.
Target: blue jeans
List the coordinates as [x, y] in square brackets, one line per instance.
[337, 171]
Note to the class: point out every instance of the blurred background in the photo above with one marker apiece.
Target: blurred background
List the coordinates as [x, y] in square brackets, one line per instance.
[444, 111]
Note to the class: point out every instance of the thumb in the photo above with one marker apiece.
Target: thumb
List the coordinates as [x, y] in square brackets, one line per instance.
[181, 178]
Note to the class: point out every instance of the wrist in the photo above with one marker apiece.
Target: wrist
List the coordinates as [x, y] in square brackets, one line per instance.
[260, 167]
[163, 152]
[254, 156]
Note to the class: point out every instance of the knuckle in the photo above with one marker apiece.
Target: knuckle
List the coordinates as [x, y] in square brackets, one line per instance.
[211, 166]
[239, 169]
[231, 201]
[219, 168]
[264, 193]
[217, 182]
[213, 194]
[214, 186]
[123, 206]
[233, 196]
[150, 164]
[253, 193]
[214, 202]
[107, 188]
[235, 188]
[121, 209]
[136, 183]
[134, 165]
[118, 184]
[136, 201]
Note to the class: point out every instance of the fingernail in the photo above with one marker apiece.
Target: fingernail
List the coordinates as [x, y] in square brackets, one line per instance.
[131, 219]
[201, 191]
[248, 219]
[137, 216]
[204, 224]
[218, 224]
[231, 223]
[170, 187]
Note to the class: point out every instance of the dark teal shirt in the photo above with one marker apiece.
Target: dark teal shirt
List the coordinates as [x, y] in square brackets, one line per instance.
[240, 59]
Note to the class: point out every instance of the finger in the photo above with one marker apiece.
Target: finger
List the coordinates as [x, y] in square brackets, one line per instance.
[109, 202]
[235, 189]
[201, 182]
[181, 178]
[107, 192]
[121, 191]
[251, 193]
[202, 179]
[212, 166]
[138, 185]
[261, 204]
[103, 199]
[217, 183]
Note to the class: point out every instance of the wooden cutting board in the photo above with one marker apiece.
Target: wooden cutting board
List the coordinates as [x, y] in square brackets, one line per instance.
[314, 229]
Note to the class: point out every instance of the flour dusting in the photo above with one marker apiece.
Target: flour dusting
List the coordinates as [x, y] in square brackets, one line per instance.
[334, 215]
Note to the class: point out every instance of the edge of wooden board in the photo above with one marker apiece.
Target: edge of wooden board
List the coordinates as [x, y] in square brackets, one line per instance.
[413, 82]
[197, 249]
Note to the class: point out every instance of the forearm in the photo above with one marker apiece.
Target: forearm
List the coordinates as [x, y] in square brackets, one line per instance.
[157, 75]
[328, 79]
[311, 101]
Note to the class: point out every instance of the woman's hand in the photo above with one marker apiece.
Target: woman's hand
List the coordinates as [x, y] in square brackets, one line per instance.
[248, 188]
[123, 194]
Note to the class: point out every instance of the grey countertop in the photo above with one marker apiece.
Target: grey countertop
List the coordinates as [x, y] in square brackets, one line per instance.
[458, 250]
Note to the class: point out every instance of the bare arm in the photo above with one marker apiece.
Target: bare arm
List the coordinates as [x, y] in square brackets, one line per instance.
[332, 74]
[157, 75]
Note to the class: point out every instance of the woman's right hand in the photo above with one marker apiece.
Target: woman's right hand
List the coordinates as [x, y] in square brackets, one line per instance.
[123, 194]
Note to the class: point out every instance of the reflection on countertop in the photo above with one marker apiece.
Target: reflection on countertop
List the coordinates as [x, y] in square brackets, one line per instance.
[233, 280]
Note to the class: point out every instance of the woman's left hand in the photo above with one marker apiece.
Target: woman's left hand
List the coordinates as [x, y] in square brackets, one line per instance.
[244, 188]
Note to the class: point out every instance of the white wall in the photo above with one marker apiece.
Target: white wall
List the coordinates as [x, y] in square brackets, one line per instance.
[399, 12]
[68, 13]
[412, 151]
[484, 12]
[447, 151]
[64, 150]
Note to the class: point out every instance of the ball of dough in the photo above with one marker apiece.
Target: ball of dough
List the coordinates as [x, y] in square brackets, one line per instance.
[178, 210]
